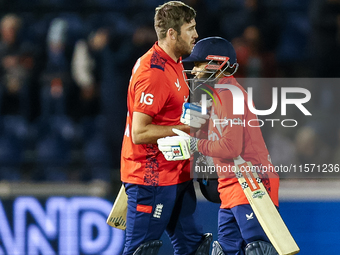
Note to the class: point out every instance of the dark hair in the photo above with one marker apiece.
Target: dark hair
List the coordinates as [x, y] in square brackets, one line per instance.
[172, 14]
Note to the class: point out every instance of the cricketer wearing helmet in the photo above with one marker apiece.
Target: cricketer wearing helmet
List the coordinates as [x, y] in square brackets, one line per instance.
[239, 231]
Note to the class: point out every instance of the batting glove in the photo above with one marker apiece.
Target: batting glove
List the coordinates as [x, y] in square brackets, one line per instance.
[192, 115]
[177, 147]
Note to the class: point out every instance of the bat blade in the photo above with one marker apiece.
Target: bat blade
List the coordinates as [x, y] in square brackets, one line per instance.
[117, 216]
[264, 209]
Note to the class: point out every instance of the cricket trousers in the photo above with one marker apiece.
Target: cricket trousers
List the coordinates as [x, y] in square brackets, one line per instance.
[237, 227]
[155, 209]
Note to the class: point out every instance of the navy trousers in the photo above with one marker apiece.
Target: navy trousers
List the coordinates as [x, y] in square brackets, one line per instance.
[155, 209]
[237, 227]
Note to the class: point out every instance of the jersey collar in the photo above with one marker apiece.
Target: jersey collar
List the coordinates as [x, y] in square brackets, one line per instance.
[163, 54]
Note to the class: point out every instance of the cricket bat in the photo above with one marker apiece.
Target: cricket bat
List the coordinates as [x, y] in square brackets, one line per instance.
[264, 208]
[117, 216]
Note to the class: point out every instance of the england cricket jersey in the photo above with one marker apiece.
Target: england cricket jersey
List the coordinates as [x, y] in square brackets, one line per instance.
[231, 135]
[157, 88]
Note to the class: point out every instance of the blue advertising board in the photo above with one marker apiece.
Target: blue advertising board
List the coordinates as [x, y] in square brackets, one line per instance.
[58, 225]
[77, 226]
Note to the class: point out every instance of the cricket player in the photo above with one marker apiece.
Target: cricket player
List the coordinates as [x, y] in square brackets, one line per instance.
[161, 195]
[239, 231]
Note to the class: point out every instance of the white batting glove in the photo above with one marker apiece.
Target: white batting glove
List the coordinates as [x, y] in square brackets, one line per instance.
[192, 115]
[177, 147]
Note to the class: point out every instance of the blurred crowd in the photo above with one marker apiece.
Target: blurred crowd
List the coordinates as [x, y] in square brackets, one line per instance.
[65, 68]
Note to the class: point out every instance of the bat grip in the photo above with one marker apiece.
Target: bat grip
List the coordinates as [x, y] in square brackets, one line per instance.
[192, 107]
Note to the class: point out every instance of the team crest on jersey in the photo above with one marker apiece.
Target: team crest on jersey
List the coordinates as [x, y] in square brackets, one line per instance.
[158, 211]
[157, 61]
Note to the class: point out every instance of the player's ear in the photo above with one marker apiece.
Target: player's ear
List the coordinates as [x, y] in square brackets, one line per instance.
[172, 33]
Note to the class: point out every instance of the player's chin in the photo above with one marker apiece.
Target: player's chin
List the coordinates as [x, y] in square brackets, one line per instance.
[188, 50]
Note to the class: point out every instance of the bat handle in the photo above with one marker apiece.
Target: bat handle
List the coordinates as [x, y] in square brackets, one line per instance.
[192, 107]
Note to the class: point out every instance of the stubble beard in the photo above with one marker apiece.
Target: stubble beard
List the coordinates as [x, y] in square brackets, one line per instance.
[182, 47]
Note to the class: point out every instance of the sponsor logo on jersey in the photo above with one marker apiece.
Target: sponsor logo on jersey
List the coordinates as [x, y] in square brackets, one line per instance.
[146, 98]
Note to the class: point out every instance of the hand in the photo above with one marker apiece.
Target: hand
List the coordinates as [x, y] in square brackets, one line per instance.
[177, 147]
[192, 116]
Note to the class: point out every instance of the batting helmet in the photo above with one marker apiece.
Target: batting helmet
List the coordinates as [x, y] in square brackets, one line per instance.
[212, 46]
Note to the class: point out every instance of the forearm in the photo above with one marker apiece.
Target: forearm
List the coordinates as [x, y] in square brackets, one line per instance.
[223, 148]
[151, 132]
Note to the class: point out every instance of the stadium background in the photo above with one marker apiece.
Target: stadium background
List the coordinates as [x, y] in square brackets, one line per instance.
[60, 134]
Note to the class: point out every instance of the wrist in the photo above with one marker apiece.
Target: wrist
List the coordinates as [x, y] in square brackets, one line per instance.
[184, 128]
[193, 144]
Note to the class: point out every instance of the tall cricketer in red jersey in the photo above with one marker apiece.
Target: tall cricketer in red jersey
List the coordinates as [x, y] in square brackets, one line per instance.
[236, 135]
[157, 88]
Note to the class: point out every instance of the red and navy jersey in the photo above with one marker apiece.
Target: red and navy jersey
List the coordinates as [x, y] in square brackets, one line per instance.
[231, 135]
[157, 88]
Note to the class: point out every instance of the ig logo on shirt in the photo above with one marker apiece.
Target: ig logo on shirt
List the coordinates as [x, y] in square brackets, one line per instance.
[146, 98]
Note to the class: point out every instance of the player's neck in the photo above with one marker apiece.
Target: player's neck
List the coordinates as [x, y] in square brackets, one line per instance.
[168, 49]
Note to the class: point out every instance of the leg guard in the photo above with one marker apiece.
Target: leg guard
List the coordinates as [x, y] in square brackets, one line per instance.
[217, 249]
[204, 247]
[149, 248]
[260, 248]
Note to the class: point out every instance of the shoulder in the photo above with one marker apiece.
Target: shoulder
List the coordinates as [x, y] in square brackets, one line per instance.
[153, 67]
[149, 77]
[153, 60]
[157, 61]
[152, 63]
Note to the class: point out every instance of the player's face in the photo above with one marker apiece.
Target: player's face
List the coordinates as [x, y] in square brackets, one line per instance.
[199, 69]
[186, 40]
